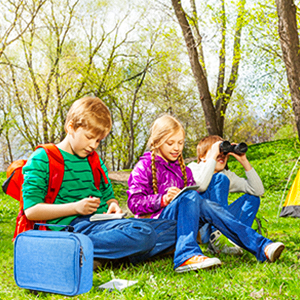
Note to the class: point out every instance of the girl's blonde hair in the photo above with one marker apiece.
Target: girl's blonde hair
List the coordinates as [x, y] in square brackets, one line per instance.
[91, 114]
[161, 130]
[205, 144]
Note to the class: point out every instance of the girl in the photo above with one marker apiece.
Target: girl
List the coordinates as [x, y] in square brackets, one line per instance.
[155, 181]
[216, 182]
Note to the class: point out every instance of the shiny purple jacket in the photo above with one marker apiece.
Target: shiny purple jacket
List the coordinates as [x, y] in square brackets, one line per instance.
[141, 198]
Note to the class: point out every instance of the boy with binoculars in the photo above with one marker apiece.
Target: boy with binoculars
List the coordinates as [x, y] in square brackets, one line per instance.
[216, 182]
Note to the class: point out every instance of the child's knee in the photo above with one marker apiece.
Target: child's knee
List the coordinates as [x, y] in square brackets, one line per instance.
[190, 196]
[208, 207]
[255, 201]
[189, 202]
[250, 201]
[145, 237]
[220, 178]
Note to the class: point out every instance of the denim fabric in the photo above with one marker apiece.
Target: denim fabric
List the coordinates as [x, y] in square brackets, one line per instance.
[186, 211]
[192, 212]
[244, 208]
[137, 239]
[166, 238]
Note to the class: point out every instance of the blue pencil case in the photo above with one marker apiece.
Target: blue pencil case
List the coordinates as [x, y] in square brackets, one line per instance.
[54, 261]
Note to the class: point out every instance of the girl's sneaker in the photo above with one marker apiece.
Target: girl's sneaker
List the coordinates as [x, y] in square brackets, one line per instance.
[198, 262]
[273, 251]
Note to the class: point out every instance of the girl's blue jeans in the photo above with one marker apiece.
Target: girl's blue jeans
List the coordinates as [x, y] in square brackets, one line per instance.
[140, 239]
[244, 208]
[191, 212]
[137, 239]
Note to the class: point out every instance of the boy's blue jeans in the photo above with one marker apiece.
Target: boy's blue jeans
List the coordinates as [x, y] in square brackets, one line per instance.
[191, 212]
[244, 208]
[137, 239]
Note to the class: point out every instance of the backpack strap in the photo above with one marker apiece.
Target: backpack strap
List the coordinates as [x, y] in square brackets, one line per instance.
[95, 164]
[56, 174]
[56, 171]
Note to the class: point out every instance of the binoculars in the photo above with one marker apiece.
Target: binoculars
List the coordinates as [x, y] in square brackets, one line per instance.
[239, 149]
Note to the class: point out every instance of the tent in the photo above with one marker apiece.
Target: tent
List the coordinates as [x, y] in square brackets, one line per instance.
[291, 206]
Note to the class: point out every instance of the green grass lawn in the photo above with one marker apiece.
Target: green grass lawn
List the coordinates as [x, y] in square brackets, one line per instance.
[237, 278]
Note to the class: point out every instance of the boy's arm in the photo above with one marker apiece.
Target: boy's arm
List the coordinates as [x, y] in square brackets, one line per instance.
[242, 159]
[203, 173]
[45, 211]
[190, 178]
[252, 185]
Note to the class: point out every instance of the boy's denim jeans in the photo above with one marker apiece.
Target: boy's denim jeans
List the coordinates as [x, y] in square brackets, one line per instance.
[137, 239]
[191, 212]
[244, 208]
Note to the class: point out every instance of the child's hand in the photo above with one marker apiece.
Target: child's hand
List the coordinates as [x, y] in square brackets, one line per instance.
[214, 151]
[242, 159]
[87, 206]
[114, 208]
[172, 192]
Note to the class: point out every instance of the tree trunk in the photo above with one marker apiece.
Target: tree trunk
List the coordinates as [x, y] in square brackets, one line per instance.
[9, 146]
[201, 81]
[198, 36]
[287, 28]
[223, 96]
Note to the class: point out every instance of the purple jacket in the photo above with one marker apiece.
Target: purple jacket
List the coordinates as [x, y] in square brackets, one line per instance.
[141, 198]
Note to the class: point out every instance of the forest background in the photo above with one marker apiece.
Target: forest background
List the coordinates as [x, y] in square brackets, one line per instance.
[201, 61]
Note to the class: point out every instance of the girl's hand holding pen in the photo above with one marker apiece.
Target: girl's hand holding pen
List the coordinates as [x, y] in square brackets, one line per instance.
[172, 192]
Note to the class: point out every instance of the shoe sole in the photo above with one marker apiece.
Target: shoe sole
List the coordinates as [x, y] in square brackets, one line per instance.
[277, 253]
[199, 266]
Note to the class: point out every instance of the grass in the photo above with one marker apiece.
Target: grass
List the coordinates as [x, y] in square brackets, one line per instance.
[238, 278]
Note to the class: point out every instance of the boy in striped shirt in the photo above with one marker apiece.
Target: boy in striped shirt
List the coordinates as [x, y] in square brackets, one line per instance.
[88, 122]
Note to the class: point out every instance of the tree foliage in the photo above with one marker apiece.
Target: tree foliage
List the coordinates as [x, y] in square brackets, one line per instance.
[224, 76]
[214, 107]
[69, 51]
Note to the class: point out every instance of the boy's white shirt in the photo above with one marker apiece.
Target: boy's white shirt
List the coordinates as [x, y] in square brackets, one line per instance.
[203, 173]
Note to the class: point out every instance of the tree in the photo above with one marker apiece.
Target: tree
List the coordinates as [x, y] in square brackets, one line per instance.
[289, 39]
[19, 15]
[214, 113]
[41, 84]
[69, 65]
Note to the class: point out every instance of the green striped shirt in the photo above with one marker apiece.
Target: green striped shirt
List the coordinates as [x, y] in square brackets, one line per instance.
[78, 183]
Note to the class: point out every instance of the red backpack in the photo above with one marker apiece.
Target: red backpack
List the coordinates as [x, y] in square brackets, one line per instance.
[13, 184]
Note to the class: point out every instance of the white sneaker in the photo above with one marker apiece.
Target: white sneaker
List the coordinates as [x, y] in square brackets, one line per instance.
[219, 243]
[198, 262]
[273, 251]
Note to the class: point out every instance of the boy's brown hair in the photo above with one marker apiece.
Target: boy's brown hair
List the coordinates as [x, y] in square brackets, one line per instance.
[90, 113]
[205, 144]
